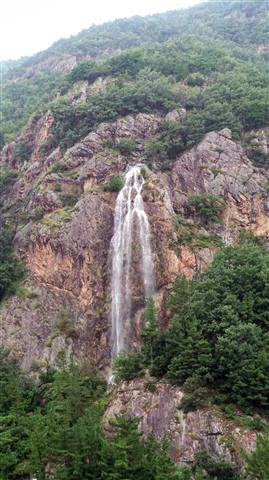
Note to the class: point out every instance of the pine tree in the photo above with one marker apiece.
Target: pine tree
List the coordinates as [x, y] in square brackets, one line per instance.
[151, 333]
[258, 461]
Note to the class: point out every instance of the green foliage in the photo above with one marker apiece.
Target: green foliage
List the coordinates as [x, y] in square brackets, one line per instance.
[253, 423]
[195, 395]
[173, 139]
[223, 82]
[208, 206]
[213, 469]
[54, 425]
[258, 158]
[48, 145]
[115, 183]
[195, 79]
[35, 215]
[6, 177]
[149, 91]
[128, 365]
[126, 145]
[2, 141]
[15, 401]
[24, 98]
[150, 333]
[11, 269]
[69, 199]
[65, 324]
[131, 457]
[58, 167]
[258, 461]
[22, 152]
[88, 70]
[218, 337]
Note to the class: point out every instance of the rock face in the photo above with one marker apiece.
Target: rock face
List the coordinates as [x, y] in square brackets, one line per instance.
[158, 407]
[63, 216]
[219, 166]
[66, 249]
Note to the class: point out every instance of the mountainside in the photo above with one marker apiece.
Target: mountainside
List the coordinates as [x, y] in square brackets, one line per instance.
[184, 95]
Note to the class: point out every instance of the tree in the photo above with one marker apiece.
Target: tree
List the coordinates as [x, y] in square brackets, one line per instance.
[208, 206]
[11, 269]
[150, 333]
[128, 365]
[258, 461]
[130, 456]
[218, 336]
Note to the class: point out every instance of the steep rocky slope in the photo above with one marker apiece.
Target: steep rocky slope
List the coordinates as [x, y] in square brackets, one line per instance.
[66, 300]
[158, 406]
[58, 203]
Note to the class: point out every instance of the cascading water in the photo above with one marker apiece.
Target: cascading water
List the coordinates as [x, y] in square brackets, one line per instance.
[130, 224]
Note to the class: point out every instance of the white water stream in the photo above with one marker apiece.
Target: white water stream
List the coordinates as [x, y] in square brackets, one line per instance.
[130, 219]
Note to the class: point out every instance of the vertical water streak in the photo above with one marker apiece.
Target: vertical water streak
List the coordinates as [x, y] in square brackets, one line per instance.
[128, 213]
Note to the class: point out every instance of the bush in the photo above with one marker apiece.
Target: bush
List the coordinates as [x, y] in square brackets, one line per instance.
[47, 146]
[192, 400]
[65, 325]
[11, 269]
[6, 177]
[128, 365]
[22, 152]
[115, 183]
[58, 167]
[69, 199]
[35, 215]
[258, 461]
[89, 71]
[258, 158]
[195, 79]
[126, 145]
[215, 469]
[208, 206]
[173, 139]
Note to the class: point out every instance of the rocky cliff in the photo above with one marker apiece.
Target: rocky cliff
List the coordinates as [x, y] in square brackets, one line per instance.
[158, 405]
[63, 216]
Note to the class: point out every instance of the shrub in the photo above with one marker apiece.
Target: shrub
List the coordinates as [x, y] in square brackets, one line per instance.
[208, 206]
[126, 145]
[258, 461]
[65, 325]
[22, 152]
[6, 177]
[115, 183]
[258, 158]
[69, 199]
[11, 269]
[254, 423]
[192, 400]
[57, 187]
[88, 70]
[58, 167]
[36, 214]
[215, 469]
[195, 79]
[47, 146]
[128, 365]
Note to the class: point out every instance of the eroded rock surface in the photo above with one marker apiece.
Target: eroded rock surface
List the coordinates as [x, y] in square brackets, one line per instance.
[157, 404]
[66, 249]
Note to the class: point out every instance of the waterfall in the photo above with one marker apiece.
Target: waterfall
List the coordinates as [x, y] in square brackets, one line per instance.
[130, 224]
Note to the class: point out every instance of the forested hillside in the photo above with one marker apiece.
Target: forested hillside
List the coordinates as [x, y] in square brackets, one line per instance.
[166, 61]
[134, 158]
